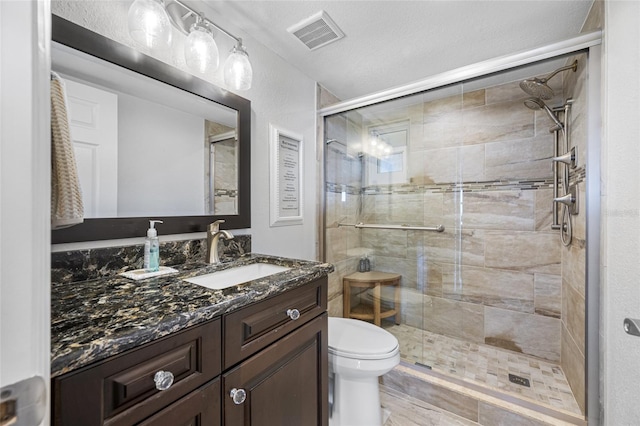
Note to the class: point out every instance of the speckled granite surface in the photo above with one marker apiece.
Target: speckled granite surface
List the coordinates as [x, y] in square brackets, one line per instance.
[82, 265]
[95, 319]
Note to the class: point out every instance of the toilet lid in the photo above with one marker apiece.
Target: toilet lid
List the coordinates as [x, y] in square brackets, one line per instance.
[358, 339]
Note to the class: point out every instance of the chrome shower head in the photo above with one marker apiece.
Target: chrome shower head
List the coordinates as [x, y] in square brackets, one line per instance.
[536, 87]
[539, 88]
[538, 104]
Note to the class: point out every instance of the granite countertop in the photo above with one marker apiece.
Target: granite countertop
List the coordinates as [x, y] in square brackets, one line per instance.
[92, 320]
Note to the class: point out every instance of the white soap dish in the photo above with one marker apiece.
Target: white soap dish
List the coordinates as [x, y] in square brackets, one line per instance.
[141, 274]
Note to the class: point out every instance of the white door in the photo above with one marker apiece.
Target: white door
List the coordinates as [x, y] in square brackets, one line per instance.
[93, 116]
[25, 185]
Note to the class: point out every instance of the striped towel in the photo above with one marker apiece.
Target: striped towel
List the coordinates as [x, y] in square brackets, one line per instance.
[66, 194]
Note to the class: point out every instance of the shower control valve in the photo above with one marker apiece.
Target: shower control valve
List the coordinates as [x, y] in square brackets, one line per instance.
[570, 200]
[570, 158]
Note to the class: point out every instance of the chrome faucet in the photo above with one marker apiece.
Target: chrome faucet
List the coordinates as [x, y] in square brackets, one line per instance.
[213, 235]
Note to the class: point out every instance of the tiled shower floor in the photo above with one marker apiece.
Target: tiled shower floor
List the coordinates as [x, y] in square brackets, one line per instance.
[486, 365]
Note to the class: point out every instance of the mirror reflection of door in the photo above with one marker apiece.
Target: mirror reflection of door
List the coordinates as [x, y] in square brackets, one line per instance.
[222, 186]
[93, 117]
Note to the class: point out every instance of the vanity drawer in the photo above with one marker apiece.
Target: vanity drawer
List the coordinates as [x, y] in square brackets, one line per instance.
[121, 390]
[250, 329]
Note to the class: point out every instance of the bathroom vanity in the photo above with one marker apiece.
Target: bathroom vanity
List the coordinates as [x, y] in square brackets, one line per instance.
[164, 351]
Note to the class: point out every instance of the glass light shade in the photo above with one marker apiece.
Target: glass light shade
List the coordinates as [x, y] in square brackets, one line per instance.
[237, 69]
[149, 24]
[200, 50]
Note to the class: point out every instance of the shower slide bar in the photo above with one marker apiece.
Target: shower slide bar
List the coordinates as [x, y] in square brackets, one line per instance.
[360, 225]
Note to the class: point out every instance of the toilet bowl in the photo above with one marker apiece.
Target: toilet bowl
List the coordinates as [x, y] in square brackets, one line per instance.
[359, 352]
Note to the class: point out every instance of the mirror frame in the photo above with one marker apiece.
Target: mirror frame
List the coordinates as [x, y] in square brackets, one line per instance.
[94, 229]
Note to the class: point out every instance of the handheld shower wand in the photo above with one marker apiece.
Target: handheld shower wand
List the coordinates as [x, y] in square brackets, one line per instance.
[538, 104]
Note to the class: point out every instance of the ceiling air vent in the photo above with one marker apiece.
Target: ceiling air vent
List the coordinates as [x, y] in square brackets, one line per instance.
[316, 31]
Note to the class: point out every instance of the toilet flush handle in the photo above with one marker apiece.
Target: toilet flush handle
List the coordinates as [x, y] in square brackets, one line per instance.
[294, 314]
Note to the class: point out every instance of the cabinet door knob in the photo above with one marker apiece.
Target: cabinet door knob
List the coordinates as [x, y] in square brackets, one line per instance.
[238, 395]
[163, 379]
[294, 314]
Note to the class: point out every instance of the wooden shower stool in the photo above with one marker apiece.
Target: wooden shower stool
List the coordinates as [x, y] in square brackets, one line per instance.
[374, 280]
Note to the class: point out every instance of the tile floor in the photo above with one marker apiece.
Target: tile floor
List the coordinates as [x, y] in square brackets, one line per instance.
[403, 410]
[485, 365]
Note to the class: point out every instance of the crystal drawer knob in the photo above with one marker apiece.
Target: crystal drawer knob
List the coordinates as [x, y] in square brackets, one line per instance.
[294, 314]
[163, 379]
[238, 396]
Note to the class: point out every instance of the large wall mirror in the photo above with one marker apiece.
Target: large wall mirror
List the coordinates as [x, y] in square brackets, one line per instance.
[151, 141]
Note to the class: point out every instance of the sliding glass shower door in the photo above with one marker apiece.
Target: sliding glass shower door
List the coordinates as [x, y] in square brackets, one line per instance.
[452, 190]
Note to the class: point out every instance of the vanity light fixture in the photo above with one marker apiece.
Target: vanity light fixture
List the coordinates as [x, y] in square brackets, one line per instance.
[147, 26]
[200, 49]
[237, 68]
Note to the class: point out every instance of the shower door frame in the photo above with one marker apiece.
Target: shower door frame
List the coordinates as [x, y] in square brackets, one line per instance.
[589, 43]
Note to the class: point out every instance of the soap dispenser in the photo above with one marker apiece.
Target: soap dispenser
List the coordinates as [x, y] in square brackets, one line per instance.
[152, 248]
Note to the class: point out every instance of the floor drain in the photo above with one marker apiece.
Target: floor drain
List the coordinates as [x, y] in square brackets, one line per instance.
[519, 380]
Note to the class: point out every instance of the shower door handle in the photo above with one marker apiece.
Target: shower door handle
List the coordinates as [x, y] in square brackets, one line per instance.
[632, 326]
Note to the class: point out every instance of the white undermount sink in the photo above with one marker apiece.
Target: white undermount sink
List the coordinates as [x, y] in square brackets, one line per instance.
[238, 275]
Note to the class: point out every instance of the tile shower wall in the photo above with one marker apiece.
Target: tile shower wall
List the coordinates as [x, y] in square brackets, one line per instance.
[225, 173]
[479, 163]
[574, 256]
[343, 174]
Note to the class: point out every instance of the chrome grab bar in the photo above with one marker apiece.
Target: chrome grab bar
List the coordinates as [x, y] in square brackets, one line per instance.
[360, 225]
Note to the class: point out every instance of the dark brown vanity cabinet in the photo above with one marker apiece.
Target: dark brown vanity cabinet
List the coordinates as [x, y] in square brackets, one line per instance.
[264, 364]
[282, 375]
[122, 390]
[282, 385]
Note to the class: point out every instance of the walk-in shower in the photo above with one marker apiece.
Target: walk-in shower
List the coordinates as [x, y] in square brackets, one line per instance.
[459, 203]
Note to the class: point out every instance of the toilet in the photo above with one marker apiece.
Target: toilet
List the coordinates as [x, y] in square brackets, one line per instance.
[359, 352]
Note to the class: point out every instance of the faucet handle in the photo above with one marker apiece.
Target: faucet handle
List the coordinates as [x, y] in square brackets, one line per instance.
[215, 226]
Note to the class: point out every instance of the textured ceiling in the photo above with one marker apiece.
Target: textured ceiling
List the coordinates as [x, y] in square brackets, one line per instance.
[391, 43]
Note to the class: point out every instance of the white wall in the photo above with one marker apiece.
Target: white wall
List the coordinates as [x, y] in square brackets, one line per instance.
[281, 95]
[621, 212]
[25, 176]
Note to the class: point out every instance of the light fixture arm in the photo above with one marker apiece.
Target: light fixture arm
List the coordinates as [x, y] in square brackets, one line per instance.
[199, 15]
